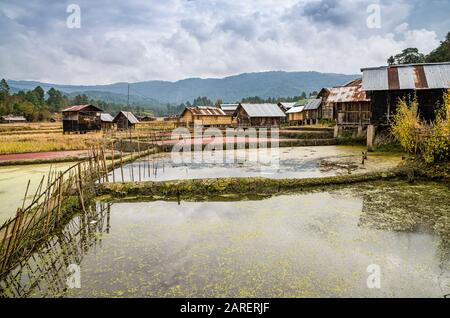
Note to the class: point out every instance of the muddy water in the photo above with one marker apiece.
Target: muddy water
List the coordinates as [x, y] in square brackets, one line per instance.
[289, 162]
[13, 184]
[297, 245]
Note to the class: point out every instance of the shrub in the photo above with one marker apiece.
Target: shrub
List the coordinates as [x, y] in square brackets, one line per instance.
[407, 126]
[437, 146]
[431, 141]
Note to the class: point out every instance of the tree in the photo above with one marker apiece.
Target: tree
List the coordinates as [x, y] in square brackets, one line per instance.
[407, 56]
[391, 60]
[202, 101]
[4, 90]
[80, 100]
[303, 96]
[441, 53]
[55, 100]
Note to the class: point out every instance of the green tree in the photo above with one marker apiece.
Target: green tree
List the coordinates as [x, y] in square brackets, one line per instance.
[55, 100]
[4, 90]
[441, 53]
[80, 100]
[410, 55]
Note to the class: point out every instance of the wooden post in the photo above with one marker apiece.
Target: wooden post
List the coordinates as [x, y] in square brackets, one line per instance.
[113, 166]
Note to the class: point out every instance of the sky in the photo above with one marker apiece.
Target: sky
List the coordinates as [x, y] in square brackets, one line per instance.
[141, 40]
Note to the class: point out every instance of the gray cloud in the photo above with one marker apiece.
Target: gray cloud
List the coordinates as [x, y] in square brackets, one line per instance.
[173, 39]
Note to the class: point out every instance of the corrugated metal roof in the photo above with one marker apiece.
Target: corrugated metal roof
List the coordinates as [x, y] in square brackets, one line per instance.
[411, 76]
[106, 117]
[13, 118]
[296, 109]
[347, 93]
[313, 104]
[288, 105]
[229, 107]
[263, 110]
[76, 108]
[129, 115]
[206, 111]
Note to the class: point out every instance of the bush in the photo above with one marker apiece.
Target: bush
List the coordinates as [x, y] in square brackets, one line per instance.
[431, 141]
[437, 146]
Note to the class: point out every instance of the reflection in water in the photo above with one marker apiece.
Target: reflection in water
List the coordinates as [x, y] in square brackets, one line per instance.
[289, 162]
[304, 245]
[45, 273]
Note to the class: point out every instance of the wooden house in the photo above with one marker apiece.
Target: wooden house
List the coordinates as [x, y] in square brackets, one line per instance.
[106, 121]
[385, 85]
[229, 109]
[328, 111]
[146, 118]
[7, 119]
[208, 116]
[350, 104]
[296, 116]
[259, 115]
[125, 121]
[286, 106]
[313, 111]
[81, 118]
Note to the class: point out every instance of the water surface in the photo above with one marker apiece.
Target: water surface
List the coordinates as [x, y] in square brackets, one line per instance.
[299, 245]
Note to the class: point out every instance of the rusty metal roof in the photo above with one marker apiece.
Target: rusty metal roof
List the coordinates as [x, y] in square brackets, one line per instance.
[76, 108]
[206, 111]
[410, 76]
[263, 110]
[351, 92]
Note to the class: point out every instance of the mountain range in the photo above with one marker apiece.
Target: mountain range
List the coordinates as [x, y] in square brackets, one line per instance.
[229, 89]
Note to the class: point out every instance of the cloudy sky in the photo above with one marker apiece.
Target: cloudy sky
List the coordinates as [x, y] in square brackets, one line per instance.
[138, 40]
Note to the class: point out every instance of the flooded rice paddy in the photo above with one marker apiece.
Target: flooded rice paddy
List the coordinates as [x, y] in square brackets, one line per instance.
[13, 184]
[289, 162]
[317, 244]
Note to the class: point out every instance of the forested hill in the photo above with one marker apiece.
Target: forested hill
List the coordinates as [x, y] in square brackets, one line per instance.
[229, 89]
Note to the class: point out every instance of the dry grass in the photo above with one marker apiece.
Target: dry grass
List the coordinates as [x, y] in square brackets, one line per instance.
[30, 127]
[22, 143]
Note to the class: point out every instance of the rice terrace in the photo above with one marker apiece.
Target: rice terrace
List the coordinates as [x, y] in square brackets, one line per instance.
[258, 185]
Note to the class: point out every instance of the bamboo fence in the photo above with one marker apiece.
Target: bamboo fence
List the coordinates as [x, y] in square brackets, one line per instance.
[60, 194]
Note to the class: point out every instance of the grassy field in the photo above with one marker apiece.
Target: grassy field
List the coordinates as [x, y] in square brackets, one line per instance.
[38, 142]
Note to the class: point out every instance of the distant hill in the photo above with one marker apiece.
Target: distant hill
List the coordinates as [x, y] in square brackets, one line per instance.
[229, 89]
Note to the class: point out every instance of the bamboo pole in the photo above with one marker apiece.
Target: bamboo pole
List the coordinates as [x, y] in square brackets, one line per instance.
[113, 165]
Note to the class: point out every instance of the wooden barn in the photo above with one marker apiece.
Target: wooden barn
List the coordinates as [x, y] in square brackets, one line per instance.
[146, 118]
[229, 109]
[107, 121]
[209, 116]
[81, 118]
[328, 111]
[296, 116]
[125, 121]
[259, 115]
[8, 119]
[313, 111]
[286, 106]
[385, 85]
[350, 104]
